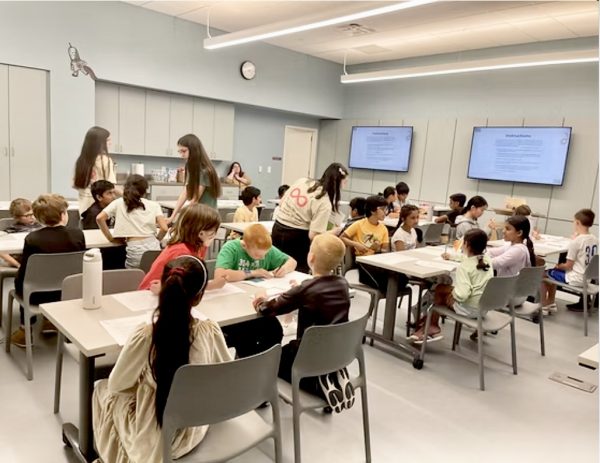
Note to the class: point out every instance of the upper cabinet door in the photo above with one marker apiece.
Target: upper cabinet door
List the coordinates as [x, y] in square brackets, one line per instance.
[107, 110]
[132, 112]
[223, 133]
[158, 106]
[204, 123]
[28, 126]
[4, 146]
[182, 116]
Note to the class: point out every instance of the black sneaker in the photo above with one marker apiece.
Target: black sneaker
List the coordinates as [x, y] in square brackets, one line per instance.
[576, 306]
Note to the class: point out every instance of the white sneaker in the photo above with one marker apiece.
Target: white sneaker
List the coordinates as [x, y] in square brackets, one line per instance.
[549, 309]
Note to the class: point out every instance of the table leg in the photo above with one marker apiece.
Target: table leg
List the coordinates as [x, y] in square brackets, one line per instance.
[82, 439]
[389, 319]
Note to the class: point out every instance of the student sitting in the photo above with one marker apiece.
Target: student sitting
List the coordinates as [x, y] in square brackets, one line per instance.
[322, 300]
[508, 260]
[525, 211]
[55, 237]
[472, 275]
[128, 407]
[24, 222]
[193, 233]
[456, 203]
[103, 193]
[250, 196]
[252, 256]
[370, 236]
[357, 212]
[581, 250]
[468, 218]
[405, 237]
[391, 198]
[280, 192]
[402, 191]
[136, 219]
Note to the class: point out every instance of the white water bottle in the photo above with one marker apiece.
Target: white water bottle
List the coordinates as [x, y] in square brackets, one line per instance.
[92, 279]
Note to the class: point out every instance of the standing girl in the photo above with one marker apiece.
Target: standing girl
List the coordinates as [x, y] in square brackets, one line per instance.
[304, 212]
[128, 407]
[136, 219]
[192, 235]
[509, 259]
[93, 164]
[202, 183]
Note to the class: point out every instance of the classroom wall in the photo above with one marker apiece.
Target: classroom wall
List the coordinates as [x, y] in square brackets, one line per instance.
[443, 111]
[132, 45]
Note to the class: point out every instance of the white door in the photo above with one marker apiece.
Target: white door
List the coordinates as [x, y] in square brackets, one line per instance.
[299, 154]
[4, 141]
[28, 122]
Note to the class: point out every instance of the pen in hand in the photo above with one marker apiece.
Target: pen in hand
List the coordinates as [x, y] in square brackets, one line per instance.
[277, 270]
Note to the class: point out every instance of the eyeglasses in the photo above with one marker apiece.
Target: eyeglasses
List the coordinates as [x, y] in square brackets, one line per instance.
[29, 214]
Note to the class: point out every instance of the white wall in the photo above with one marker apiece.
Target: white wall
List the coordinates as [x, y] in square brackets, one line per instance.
[132, 45]
[443, 111]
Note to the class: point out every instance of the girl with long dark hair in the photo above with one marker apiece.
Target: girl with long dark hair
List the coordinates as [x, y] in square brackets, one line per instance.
[508, 260]
[305, 211]
[93, 164]
[202, 183]
[128, 407]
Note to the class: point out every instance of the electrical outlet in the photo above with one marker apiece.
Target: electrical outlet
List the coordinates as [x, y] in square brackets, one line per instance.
[268, 169]
[260, 169]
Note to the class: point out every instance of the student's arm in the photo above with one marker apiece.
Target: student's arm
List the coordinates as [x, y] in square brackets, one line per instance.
[240, 275]
[280, 263]
[321, 211]
[10, 260]
[572, 252]
[101, 220]
[163, 227]
[399, 245]
[28, 250]
[441, 219]
[353, 244]
[180, 200]
[566, 266]
[286, 303]
[462, 285]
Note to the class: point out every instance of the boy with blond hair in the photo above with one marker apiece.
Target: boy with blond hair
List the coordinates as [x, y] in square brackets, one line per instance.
[322, 300]
[581, 250]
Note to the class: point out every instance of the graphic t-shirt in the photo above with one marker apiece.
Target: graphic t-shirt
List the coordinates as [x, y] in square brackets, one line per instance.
[368, 234]
[301, 209]
[234, 257]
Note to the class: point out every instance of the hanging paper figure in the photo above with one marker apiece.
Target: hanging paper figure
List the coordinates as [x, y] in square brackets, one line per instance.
[77, 64]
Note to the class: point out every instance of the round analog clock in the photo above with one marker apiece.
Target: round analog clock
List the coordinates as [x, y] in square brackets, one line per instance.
[248, 70]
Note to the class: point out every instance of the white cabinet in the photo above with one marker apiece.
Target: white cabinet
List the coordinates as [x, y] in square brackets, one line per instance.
[23, 132]
[132, 112]
[181, 120]
[107, 110]
[204, 122]
[223, 132]
[157, 123]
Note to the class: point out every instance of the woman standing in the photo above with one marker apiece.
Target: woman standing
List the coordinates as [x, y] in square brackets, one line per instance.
[304, 212]
[202, 183]
[237, 177]
[93, 164]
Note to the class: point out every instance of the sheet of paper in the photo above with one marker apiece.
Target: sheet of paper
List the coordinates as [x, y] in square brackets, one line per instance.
[435, 250]
[283, 283]
[399, 258]
[138, 301]
[226, 290]
[121, 328]
[442, 265]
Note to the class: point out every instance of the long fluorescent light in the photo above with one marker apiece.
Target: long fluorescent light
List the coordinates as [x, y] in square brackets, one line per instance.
[278, 29]
[548, 59]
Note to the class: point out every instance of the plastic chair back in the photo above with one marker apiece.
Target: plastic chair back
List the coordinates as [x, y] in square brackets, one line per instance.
[591, 271]
[148, 259]
[229, 216]
[113, 281]
[46, 272]
[497, 293]
[328, 348]
[348, 262]
[529, 281]
[210, 266]
[433, 233]
[209, 394]
[5, 223]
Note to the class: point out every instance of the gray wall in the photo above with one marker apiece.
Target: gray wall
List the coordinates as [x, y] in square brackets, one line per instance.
[131, 45]
[443, 111]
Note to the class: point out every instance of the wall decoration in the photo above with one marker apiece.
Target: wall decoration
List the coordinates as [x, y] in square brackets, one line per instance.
[79, 65]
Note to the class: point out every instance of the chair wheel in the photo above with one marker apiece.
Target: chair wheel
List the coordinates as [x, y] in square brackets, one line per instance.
[417, 363]
[66, 441]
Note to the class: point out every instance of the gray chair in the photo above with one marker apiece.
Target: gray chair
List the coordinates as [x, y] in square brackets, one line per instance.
[433, 234]
[224, 396]
[528, 284]
[229, 216]
[44, 273]
[6, 222]
[147, 260]
[496, 296]
[113, 281]
[588, 289]
[325, 349]
[266, 214]
[5, 271]
[210, 266]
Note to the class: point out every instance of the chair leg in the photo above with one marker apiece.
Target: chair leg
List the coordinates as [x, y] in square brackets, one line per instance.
[542, 340]
[456, 337]
[366, 425]
[58, 373]
[277, 434]
[9, 316]
[480, 349]
[296, 425]
[1, 298]
[28, 345]
[513, 345]
[373, 310]
[585, 312]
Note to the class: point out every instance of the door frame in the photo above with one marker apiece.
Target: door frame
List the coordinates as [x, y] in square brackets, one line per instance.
[313, 148]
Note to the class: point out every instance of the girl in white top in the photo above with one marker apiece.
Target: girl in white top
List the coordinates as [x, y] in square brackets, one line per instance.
[509, 259]
[136, 219]
[405, 237]
[128, 407]
[93, 164]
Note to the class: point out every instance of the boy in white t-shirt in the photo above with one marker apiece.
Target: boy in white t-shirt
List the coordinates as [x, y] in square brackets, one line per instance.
[581, 250]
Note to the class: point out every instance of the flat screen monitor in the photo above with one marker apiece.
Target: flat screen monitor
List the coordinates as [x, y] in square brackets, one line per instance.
[381, 148]
[520, 154]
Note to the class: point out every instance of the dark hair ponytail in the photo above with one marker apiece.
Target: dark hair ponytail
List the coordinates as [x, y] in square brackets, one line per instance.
[330, 182]
[476, 240]
[475, 201]
[522, 224]
[183, 282]
[134, 190]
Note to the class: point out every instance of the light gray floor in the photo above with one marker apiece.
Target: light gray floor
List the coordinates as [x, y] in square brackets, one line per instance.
[433, 415]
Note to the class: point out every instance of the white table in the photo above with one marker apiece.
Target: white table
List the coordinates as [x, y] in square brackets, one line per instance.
[589, 358]
[239, 227]
[83, 328]
[543, 247]
[419, 263]
[393, 222]
[221, 204]
[12, 243]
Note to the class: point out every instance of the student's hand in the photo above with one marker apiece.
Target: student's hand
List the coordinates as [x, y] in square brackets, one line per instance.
[492, 224]
[280, 272]
[257, 302]
[361, 248]
[218, 283]
[155, 287]
[293, 283]
[446, 256]
[376, 246]
[261, 273]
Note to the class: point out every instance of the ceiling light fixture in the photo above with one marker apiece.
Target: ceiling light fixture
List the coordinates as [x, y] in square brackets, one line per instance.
[548, 59]
[278, 29]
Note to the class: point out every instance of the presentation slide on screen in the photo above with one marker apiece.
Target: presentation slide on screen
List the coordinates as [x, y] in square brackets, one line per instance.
[519, 154]
[380, 148]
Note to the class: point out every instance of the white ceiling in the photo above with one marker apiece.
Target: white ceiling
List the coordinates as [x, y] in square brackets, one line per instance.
[436, 28]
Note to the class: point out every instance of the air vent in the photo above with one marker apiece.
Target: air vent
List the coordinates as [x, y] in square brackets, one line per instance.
[355, 29]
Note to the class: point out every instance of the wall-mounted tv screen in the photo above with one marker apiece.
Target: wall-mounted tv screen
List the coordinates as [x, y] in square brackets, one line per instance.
[381, 148]
[520, 154]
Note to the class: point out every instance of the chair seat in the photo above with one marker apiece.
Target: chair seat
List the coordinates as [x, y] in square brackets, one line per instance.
[591, 288]
[230, 438]
[493, 320]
